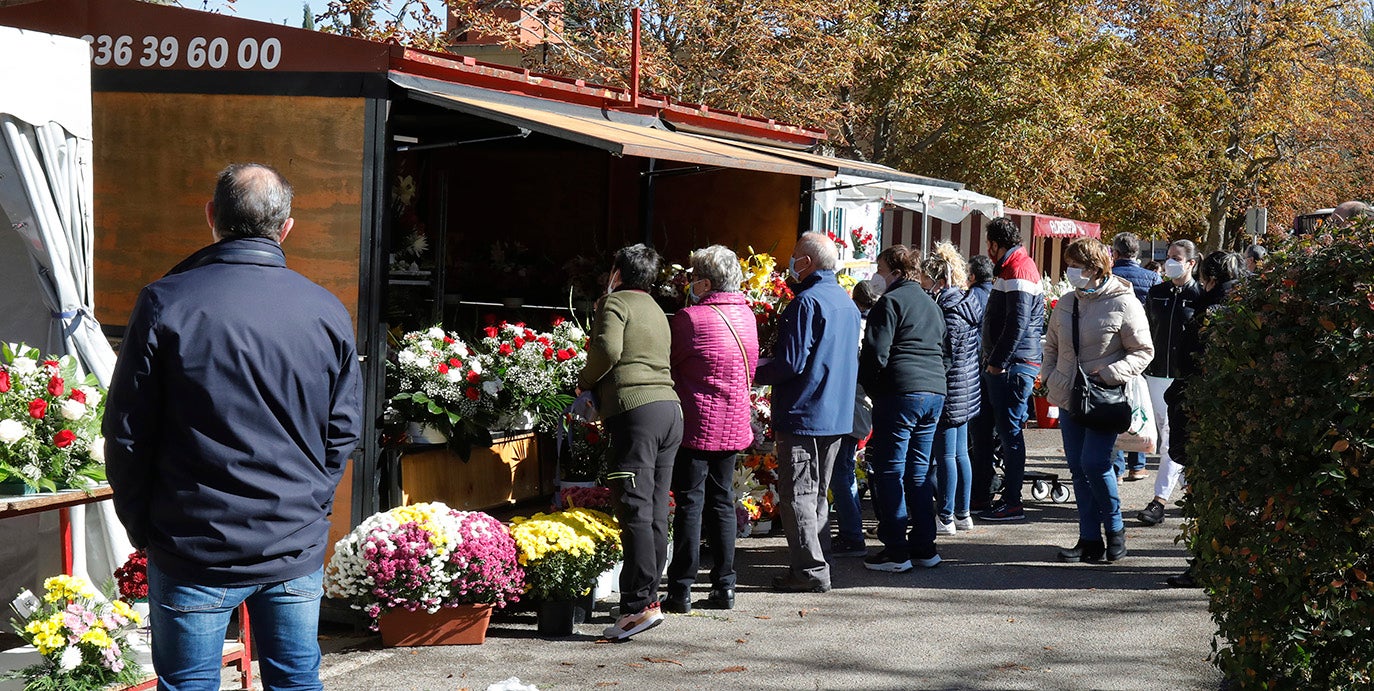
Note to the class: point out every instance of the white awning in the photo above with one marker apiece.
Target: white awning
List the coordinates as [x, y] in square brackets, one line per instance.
[949, 205]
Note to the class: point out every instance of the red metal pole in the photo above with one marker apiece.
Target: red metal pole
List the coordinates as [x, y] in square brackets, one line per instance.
[64, 526]
[634, 57]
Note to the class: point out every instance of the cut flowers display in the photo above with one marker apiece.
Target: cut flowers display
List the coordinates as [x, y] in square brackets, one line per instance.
[49, 422]
[82, 637]
[425, 557]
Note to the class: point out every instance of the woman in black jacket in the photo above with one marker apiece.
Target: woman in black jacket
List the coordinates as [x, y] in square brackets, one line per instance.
[1219, 273]
[1169, 307]
[944, 274]
[901, 366]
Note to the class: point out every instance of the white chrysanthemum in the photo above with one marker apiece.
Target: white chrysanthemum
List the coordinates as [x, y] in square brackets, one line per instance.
[405, 357]
[97, 449]
[454, 374]
[24, 366]
[435, 332]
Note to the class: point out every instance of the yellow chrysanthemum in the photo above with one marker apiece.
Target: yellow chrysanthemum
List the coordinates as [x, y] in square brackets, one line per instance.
[123, 609]
[62, 588]
[97, 637]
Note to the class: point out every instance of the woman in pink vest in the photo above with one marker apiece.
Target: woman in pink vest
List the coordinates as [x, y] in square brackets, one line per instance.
[715, 352]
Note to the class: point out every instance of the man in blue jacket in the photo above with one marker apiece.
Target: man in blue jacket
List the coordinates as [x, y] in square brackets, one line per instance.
[814, 372]
[1125, 250]
[1012, 326]
[235, 403]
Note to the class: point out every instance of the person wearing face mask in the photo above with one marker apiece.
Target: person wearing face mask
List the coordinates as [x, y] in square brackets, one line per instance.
[813, 373]
[1012, 326]
[1169, 307]
[628, 367]
[715, 352]
[943, 275]
[1219, 273]
[1113, 346]
[902, 367]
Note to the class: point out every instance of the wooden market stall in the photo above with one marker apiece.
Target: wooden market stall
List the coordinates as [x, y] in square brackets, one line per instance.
[429, 187]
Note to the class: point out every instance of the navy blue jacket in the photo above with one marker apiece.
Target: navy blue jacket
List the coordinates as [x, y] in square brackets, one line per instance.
[235, 403]
[1141, 278]
[1015, 316]
[963, 320]
[815, 367]
[903, 349]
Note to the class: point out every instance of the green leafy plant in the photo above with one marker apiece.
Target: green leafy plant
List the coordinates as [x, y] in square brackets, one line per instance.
[1282, 488]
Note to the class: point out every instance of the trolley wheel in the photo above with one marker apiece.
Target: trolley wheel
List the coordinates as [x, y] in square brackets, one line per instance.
[1039, 490]
[1060, 493]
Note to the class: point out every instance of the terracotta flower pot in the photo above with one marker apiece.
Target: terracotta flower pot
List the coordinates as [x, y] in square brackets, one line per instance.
[459, 625]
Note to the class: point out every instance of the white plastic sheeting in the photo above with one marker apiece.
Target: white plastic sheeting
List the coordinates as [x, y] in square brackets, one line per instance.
[45, 202]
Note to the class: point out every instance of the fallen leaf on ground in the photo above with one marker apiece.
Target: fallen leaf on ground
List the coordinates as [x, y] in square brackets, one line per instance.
[734, 668]
[569, 664]
[633, 664]
[662, 660]
[1011, 621]
[759, 616]
[741, 640]
[1049, 647]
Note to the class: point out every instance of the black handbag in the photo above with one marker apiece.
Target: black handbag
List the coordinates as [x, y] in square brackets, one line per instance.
[1095, 405]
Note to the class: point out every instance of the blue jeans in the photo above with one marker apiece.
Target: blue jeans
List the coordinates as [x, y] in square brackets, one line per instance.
[189, 622]
[904, 488]
[1121, 461]
[1010, 393]
[1089, 455]
[844, 489]
[953, 472]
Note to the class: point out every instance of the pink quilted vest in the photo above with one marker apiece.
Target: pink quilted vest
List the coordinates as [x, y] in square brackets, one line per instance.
[709, 372]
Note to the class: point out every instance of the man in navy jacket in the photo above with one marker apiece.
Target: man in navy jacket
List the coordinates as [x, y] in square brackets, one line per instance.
[1125, 250]
[814, 373]
[235, 404]
[1012, 327]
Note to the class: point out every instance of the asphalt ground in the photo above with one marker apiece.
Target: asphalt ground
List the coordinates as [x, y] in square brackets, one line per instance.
[999, 613]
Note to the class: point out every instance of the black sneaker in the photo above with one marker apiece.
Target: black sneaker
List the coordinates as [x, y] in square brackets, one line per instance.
[844, 549]
[886, 561]
[1003, 512]
[1152, 514]
[787, 584]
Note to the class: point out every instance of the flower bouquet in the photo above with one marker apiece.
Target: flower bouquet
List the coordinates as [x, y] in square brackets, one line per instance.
[598, 498]
[564, 552]
[768, 293]
[764, 469]
[537, 370]
[865, 243]
[435, 379]
[49, 423]
[82, 638]
[423, 558]
[131, 579]
[1052, 292]
[586, 445]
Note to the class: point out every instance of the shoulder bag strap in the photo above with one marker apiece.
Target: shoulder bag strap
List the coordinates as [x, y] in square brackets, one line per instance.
[749, 376]
[1075, 329]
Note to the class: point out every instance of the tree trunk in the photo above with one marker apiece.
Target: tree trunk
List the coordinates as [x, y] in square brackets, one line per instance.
[1218, 204]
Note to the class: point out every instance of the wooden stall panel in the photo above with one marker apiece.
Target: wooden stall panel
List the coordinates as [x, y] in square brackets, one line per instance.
[156, 158]
[506, 472]
[735, 208]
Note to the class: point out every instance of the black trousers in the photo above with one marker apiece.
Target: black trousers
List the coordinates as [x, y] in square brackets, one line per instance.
[644, 441]
[982, 439]
[704, 490]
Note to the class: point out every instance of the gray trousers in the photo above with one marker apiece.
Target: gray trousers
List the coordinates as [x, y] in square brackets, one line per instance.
[804, 467]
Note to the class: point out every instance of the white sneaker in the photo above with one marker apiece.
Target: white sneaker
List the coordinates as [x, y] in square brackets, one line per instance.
[943, 528]
[965, 523]
[632, 624]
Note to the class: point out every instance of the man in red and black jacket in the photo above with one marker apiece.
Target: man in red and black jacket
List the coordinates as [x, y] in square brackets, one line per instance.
[1012, 326]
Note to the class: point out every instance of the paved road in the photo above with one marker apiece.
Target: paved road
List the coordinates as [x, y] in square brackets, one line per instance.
[999, 613]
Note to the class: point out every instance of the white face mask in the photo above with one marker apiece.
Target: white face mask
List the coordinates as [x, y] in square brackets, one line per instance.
[879, 283]
[1174, 268]
[1077, 279]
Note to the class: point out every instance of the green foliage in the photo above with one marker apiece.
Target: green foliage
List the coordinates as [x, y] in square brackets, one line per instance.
[1282, 488]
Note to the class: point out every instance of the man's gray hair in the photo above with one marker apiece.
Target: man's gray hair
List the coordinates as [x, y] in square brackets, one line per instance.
[252, 200]
[820, 248]
[720, 265]
[1127, 245]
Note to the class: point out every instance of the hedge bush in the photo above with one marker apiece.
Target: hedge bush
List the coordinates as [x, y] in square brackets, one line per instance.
[1282, 488]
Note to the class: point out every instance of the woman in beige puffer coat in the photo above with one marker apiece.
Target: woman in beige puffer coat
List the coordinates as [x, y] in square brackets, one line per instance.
[1114, 347]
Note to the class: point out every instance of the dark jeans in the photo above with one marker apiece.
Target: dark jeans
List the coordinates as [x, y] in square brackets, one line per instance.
[981, 443]
[644, 441]
[899, 452]
[1088, 453]
[844, 488]
[703, 486]
[1009, 394]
